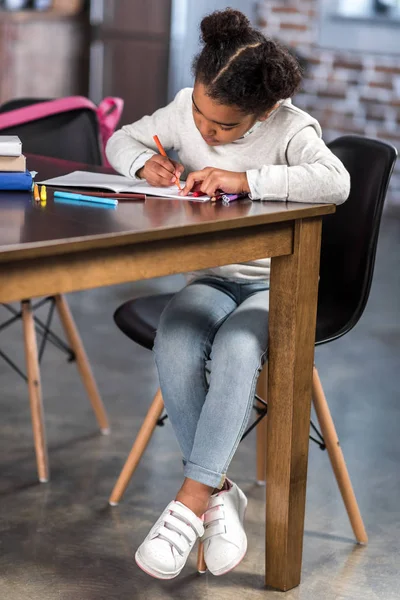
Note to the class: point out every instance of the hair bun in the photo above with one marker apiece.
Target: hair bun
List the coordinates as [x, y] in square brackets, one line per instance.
[281, 72]
[224, 25]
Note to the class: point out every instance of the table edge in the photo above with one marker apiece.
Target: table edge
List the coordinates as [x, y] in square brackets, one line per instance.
[88, 242]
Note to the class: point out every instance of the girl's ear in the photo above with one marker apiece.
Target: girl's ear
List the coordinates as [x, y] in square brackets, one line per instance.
[265, 116]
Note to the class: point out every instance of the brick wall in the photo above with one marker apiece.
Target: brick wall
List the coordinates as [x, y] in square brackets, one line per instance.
[348, 92]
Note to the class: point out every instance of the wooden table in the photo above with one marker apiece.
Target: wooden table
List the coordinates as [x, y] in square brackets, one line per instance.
[61, 248]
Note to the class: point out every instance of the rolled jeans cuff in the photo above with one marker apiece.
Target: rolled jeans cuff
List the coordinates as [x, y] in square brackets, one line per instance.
[202, 475]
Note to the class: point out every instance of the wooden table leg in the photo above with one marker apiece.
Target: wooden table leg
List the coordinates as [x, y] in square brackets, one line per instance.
[35, 391]
[292, 318]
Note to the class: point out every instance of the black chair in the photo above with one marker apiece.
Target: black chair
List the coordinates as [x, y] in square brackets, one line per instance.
[72, 135]
[349, 241]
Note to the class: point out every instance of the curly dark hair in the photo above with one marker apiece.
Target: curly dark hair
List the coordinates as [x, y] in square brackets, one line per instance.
[240, 67]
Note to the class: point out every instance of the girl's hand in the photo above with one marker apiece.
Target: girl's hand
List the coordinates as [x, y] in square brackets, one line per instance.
[161, 171]
[210, 180]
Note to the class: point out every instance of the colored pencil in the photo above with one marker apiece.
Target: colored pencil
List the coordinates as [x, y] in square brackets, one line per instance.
[36, 194]
[91, 199]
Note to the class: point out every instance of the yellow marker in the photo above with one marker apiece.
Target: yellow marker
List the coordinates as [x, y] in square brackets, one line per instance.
[43, 193]
[36, 193]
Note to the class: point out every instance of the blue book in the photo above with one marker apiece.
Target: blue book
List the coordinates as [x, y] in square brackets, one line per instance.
[16, 181]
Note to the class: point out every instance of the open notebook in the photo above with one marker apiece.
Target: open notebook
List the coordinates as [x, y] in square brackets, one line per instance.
[118, 184]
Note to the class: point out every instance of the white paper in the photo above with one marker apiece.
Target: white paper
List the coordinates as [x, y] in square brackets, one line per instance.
[118, 184]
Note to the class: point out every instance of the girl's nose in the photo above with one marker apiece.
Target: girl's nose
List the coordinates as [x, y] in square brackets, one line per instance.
[207, 129]
[210, 130]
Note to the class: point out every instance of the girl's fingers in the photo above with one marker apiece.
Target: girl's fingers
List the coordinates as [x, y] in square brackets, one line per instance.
[162, 162]
[190, 181]
[195, 178]
[158, 170]
[179, 168]
[178, 175]
[162, 170]
[157, 175]
[210, 185]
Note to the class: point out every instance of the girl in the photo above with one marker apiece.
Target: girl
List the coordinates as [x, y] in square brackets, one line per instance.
[238, 131]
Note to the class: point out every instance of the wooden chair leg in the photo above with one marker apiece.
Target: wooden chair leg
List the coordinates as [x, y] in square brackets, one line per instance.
[201, 565]
[261, 429]
[82, 361]
[138, 448]
[337, 459]
[35, 391]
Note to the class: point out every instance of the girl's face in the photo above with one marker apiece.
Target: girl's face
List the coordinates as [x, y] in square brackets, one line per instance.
[217, 123]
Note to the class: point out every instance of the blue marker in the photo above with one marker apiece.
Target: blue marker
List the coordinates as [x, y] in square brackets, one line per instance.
[62, 200]
[94, 199]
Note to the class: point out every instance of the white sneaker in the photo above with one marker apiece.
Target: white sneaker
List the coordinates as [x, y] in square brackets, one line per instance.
[225, 541]
[165, 550]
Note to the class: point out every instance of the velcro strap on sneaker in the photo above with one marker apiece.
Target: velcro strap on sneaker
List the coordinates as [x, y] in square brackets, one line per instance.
[215, 501]
[175, 539]
[215, 528]
[180, 527]
[214, 515]
[188, 516]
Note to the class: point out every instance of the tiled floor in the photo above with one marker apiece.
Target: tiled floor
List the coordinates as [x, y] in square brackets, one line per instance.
[61, 541]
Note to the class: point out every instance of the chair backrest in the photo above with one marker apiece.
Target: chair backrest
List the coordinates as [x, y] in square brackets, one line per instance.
[350, 236]
[70, 128]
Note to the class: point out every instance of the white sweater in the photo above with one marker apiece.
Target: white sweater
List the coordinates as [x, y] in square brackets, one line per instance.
[284, 158]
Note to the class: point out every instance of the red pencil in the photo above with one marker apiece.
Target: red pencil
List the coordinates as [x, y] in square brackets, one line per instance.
[120, 196]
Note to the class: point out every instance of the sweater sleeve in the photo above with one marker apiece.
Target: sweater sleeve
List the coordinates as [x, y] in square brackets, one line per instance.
[312, 174]
[130, 147]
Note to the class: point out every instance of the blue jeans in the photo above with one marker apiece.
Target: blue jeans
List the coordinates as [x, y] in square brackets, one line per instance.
[224, 322]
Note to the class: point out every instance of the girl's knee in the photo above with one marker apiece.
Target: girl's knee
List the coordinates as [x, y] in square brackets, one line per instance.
[177, 342]
[239, 346]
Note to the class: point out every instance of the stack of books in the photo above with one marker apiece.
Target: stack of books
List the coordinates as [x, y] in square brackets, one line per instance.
[13, 172]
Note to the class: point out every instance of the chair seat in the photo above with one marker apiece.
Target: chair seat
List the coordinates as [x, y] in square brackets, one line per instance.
[138, 318]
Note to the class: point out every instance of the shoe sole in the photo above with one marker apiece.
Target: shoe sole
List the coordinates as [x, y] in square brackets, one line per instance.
[233, 565]
[153, 572]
